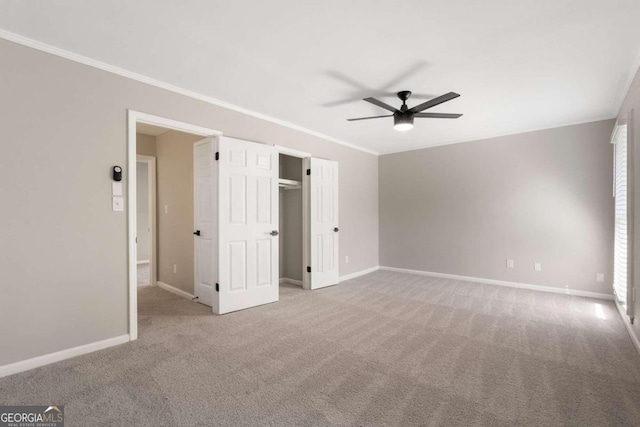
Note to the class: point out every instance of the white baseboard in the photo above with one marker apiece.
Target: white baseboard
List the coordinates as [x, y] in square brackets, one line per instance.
[144, 261]
[36, 362]
[359, 273]
[291, 281]
[627, 324]
[176, 291]
[541, 288]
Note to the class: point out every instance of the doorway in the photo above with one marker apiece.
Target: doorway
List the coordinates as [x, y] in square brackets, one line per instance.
[291, 204]
[149, 123]
[146, 220]
[241, 227]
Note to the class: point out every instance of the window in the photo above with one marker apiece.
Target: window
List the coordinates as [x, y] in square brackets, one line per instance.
[621, 248]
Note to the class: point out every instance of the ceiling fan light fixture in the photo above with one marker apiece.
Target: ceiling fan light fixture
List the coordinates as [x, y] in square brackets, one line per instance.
[403, 116]
[403, 122]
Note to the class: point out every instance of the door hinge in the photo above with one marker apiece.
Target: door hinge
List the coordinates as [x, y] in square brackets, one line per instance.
[217, 155]
[308, 171]
[308, 269]
[217, 288]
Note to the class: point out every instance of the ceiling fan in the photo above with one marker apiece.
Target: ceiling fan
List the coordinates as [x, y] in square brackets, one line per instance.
[403, 118]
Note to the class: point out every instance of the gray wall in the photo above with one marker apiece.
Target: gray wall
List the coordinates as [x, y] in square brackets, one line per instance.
[291, 240]
[146, 145]
[63, 252]
[175, 225]
[632, 102]
[534, 197]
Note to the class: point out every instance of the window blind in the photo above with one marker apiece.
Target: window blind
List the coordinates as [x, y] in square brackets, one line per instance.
[621, 249]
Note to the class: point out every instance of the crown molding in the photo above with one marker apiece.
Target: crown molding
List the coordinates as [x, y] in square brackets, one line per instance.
[624, 89]
[500, 135]
[44, 47]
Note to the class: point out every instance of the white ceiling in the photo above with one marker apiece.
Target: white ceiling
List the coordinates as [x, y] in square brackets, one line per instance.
[519, 65]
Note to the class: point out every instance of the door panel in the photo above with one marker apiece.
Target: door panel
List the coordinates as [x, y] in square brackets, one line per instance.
[205, 221]
[237, 199]
[238, 265]
[264, 261]
[323, 183]
[248, 209]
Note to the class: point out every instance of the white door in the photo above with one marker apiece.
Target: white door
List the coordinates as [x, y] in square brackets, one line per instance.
[205, 220]
[248, 224]
[323, 207]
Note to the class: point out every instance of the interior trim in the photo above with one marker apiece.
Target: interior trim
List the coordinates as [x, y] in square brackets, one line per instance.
[625, 319]
[359, 273]
[623, 90]
[290, 281]
[551, 289]
[44, 47]
[175, 290]
[36, 362]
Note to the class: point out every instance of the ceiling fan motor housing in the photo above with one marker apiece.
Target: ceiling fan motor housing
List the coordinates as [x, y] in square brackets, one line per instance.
[401, 118]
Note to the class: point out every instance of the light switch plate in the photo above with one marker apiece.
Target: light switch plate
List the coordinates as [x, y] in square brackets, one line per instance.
[118, 204]
[116, 188]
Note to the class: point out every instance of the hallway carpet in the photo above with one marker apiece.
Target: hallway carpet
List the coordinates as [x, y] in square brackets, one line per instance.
[383, 349]
[144, 275]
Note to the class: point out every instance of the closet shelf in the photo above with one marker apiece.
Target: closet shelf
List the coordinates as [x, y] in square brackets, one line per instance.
[289, 184]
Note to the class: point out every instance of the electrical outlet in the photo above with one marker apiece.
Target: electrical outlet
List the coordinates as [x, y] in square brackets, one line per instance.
[600, 277]
[166, 208]
[510, 263]
[346, 259]
[175, 268]
[537, 266]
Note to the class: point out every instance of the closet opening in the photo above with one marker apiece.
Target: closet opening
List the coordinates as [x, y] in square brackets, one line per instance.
[291, 211]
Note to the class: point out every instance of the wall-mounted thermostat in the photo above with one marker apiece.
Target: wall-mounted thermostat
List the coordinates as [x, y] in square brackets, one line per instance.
[117, 173]
[116, 190]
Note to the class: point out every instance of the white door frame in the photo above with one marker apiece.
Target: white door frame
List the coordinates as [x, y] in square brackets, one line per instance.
[306, 283]
[134, 117]
[150, 161]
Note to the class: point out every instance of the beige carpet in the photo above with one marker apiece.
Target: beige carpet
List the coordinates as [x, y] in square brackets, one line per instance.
[143, 274]
[384, 349]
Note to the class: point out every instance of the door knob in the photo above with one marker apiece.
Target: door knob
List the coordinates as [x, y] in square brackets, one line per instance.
[336, 229]
[274, 233]
[197, 232]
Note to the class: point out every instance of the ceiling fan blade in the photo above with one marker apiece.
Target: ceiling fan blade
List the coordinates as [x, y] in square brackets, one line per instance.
[367, 118]
[380, 104]
[437, 115]
[435, 101]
